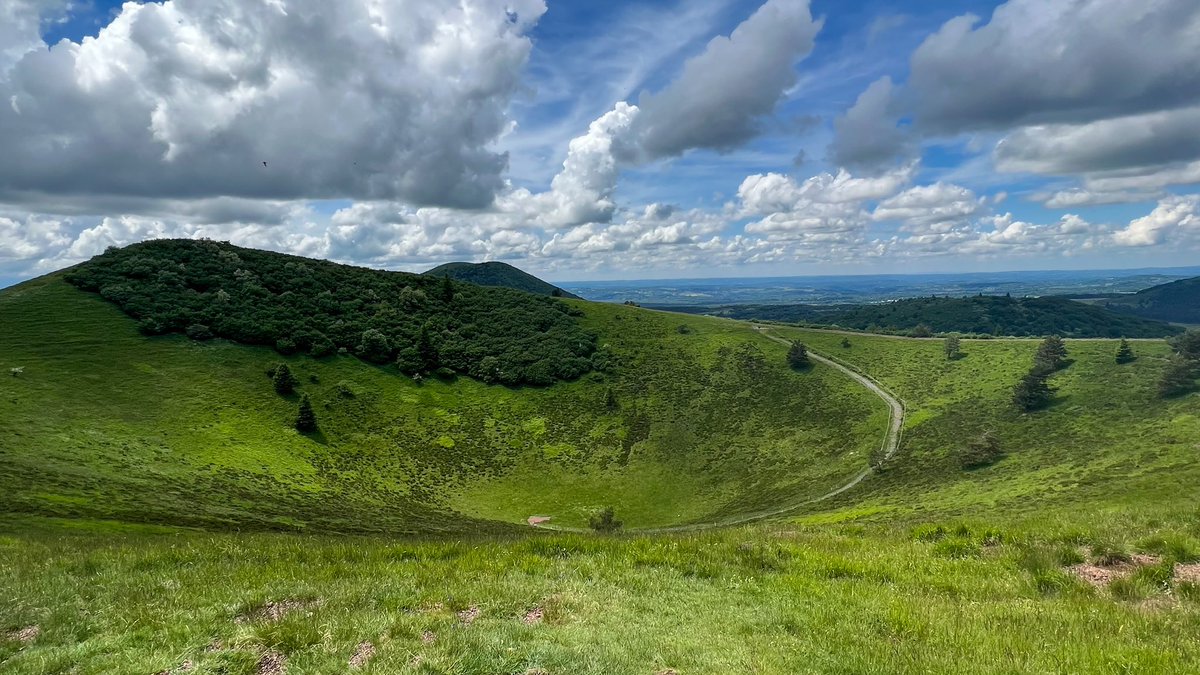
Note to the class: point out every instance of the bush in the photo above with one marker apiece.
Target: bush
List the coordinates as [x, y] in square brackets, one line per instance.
[983, 451]
[199, 332]
[374, 346]
[797, 356]
[1179, 378]
[306, 419]
[953, 348]
[604, 521]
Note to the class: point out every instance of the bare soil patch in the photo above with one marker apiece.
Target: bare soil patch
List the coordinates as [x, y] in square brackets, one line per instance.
[362, 655]
[25, 635]
[468, 615]
[428, 637]
[274, 611]
[533, 616]
[1188, 573]
[272, 663]
[534, 521]
[1101, 575]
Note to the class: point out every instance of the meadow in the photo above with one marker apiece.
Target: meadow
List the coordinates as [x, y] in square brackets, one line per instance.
[158, 513]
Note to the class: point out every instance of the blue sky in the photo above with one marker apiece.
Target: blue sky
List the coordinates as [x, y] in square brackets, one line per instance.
[609, 140]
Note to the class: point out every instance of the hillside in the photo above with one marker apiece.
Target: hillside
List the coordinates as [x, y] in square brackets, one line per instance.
[499, 274]
[1178, 302]
[979, 315]
[107, 423]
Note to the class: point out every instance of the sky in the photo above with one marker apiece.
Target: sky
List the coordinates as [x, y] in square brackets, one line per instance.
[613, 140]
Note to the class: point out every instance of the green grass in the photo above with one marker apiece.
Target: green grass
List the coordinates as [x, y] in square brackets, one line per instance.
[107, 424]
[762, 599]
[119, 451]
[1107, 441]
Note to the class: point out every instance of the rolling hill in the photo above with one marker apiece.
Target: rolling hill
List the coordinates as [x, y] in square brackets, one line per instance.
[159, 512]
[1177, 302]
[498, 274]
[978, 315]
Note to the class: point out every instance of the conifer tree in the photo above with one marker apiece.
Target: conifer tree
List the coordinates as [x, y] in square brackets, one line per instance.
[283, 379]
[1179, 378]
[797, 356]
[1052, 353]
[1125, 352]
[306, 419]
[1034, 392]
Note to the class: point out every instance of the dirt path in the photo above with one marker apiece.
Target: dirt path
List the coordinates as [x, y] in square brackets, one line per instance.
[889, 448]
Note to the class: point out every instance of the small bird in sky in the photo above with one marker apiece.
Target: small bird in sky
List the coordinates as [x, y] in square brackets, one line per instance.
[264, 163]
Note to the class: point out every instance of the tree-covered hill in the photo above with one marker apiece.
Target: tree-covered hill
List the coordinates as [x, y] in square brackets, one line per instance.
[980, 315]
[423, 324]
[498, 274]
[1178, 301]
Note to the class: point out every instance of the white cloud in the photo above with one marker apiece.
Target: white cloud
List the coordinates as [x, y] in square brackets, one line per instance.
[370, 99]
[1172, 217]
[930, 208]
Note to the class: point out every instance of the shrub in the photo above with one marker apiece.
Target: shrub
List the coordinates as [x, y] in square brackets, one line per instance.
[199, 332]
[797, 356]
[374, 346]
[953, 348]
[605, 521]
[1125, 353]
[981, 452]
[1179, 378]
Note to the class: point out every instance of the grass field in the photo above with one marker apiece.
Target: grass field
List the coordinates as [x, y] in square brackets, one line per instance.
[119, 451]
[105, 423]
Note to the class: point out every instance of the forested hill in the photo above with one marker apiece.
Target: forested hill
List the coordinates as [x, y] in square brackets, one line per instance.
[498, 274]
[1178, 301]
[421, 323]
[982, 315]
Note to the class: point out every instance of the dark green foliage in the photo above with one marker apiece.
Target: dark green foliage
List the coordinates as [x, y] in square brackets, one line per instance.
[1034, 392]
[981, 452]
[199, 332]
[846, 343]
[498, 274]
[604, 521]
[1051, 354]
[296, 304]
[283, 379]
[1179, 378]
[306, 419]
[1178, 301]
[610, 399]
[1125, 353]
[374, 347]
[921, 331]
[1188, 345]
[979, 315]
[953, 348]
[797, 356]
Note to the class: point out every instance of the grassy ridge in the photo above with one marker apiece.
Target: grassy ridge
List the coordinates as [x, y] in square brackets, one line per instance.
[105, 423]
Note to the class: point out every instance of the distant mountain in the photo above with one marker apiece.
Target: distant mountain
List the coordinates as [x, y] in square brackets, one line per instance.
[499, 274]
[982, 315]
[1178, 302]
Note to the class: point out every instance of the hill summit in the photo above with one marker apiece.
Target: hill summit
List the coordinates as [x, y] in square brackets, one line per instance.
[499, 274]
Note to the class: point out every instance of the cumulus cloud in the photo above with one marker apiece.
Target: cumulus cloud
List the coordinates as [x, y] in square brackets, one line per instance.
[720, 98]
[371, 99]
[1075, 197]
[1086, 85]
[868, 135]
[1172, 217]
[930, 208]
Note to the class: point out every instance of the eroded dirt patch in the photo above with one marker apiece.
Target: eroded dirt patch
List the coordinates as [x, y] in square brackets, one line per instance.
[1099, 576]
[428, 637]
[468, 615]
[534, 521]
[25, 635]
[272, 663]
[362, 655]
[1188, 573]
[533, 616]
[274, 611]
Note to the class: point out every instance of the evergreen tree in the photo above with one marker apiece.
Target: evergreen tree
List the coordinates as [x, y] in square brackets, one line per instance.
[797, 356]
[283, 379]
[610, 399]
[1052, 353]
[1188, 345]
[306, 419]
[1034, 392]
[953, 348]
[1125, 352]
[1179, 378]
[447, 289]
[846, 343]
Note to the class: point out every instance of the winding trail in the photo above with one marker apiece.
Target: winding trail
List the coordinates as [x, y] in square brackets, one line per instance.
[889, 448]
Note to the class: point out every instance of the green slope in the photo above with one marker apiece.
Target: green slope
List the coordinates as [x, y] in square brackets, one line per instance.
[1178, 302]
[498, 274]
[106, 423]
[981, 315]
